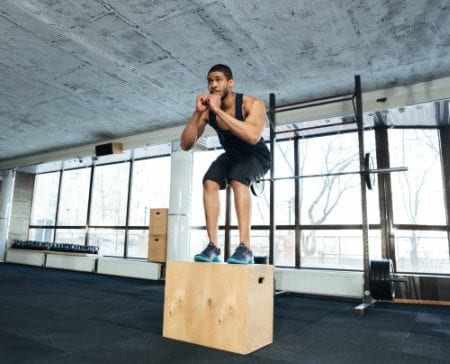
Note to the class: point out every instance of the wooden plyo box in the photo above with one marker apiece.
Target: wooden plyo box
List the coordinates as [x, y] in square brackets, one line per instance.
[157, 248]
[158, 221]
[219, 305]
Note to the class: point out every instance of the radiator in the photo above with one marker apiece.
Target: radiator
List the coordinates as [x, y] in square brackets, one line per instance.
[319, 282]
[71, 262]
[129, 268]
[27, 257]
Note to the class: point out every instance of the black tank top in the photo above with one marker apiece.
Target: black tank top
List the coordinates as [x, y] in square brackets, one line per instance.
[230, 142]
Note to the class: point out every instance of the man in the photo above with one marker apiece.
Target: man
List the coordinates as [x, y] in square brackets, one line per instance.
[239, 121]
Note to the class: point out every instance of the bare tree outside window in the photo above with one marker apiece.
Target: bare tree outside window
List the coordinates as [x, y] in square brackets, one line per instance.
[110, 195]
[418, 200]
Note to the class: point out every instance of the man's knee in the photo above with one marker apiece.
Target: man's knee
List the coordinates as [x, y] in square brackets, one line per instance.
[238, 186]
[210, 186]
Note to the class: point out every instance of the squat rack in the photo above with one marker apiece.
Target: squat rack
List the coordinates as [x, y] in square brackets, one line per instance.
[356, 99]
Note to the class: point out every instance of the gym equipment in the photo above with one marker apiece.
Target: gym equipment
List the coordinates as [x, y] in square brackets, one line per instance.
[237, 317]
[378, 281]
[381, 279]
[260, 259]
[368, 174]
[257, 187]
[60, 247]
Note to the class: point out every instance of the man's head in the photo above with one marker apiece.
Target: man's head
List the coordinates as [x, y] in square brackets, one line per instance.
[222, 68]
[220, 80]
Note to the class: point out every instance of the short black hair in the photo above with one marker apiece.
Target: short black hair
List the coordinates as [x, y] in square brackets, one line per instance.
[222, 68]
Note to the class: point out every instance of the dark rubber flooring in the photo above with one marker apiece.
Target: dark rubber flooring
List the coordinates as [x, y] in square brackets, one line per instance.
[54, 316]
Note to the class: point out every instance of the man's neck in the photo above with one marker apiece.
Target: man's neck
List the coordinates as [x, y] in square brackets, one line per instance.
[229, 101]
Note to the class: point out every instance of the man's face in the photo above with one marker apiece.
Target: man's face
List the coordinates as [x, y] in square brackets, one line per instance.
[218, 84]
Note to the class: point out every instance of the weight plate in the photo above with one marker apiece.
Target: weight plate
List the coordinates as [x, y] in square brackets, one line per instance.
[257, 187]
[380, 279]
[369, 178]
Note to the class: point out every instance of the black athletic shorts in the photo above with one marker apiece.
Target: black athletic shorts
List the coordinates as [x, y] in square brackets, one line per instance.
[245, 168]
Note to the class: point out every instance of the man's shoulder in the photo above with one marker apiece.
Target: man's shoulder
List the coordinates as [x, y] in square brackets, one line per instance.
[249, 100]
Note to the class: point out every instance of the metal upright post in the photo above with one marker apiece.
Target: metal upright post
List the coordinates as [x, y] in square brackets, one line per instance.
[368, 300]
[272, 175]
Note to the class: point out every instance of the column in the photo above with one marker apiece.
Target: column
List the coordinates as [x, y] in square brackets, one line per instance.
[178, 244]
[6, 197]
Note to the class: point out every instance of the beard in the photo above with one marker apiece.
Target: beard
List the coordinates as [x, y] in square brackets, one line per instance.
[225, 94]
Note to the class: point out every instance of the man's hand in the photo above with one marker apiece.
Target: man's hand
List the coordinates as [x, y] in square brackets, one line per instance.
[215, 102]
[202, 103]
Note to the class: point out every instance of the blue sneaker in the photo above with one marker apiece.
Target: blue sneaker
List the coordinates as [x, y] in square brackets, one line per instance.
[242, 255]
[209, 254]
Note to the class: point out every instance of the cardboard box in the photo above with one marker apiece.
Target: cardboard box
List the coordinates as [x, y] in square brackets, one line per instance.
[219, 305]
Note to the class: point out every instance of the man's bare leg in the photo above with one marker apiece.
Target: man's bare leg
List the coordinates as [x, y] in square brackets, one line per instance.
[243, 205]
[211, 204]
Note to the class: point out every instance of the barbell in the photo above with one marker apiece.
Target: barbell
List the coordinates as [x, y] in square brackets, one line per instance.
[257, 187]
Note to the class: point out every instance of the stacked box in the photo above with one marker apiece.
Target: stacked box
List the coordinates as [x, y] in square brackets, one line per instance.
[157, 239]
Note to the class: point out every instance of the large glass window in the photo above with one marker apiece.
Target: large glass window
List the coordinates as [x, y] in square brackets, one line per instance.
[44, 235]
[108, 207]
[138, 243]
[284, 248]
[333, 199]
[111, 242]
[418, 199]
[337, 249]
[45, 198]
[150, 189]
[109, 195]
[74, 197]
[284, 188]
[422, 251]
[70, 236]
[418, 196]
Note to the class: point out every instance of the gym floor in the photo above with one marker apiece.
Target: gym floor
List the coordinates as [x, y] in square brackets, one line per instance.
[54, 316]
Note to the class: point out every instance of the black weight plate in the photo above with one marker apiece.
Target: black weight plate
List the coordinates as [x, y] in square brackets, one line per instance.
[369, 178]
[391, 273]
[257, 188]
[380, 279]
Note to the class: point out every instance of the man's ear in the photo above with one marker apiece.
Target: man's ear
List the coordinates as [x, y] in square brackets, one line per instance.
[231, 83]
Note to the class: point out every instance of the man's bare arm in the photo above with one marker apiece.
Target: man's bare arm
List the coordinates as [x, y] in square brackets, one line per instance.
[255, 121]
[193, 130]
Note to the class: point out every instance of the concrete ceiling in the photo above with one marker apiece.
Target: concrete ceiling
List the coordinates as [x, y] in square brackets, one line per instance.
[80, 72]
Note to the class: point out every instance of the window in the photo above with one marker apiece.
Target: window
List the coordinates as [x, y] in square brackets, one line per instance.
[45, 197]
[333, 199]
[150, 189]
[107, 226]
[70, 236]
[74, 197]
[284, 248]
[418, 199]
[418, 196]
[43, 235]
[284, 188]
[137, 243]
[336, 249]
[422, 251]
[109, 195]
[111, 242]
